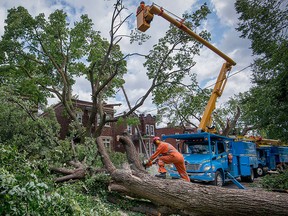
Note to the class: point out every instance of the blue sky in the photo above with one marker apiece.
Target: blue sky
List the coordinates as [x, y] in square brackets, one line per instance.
[221, 23]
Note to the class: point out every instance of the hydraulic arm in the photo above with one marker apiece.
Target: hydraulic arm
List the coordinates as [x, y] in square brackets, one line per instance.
[145, 15]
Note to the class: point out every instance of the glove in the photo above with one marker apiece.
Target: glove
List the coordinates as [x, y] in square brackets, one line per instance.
[149, 163]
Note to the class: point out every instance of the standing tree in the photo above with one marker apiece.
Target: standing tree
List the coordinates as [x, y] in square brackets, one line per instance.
[45, 57]
[265, 24]
[231, 118]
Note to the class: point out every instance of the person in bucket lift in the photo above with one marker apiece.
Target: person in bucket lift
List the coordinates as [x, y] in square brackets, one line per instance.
[140, 7]
[169, 154]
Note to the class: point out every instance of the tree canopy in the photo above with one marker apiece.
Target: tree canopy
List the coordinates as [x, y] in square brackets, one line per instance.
[265, 24]
[44, 56]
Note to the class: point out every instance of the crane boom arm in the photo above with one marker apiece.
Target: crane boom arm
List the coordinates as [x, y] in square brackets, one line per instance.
[155, 10]
[144, 18]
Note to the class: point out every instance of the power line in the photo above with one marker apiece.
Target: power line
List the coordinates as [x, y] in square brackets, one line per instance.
[168, 11]
[202, 89]
[228, 76]
[265, 57]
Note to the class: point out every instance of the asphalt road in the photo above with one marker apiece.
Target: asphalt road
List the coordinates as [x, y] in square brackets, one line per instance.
[255, 185]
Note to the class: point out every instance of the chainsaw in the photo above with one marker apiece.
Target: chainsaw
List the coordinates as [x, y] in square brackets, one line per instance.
[145, 162]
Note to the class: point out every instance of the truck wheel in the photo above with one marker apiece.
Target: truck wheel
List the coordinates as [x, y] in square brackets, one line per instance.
[259, 171]
[219, 181]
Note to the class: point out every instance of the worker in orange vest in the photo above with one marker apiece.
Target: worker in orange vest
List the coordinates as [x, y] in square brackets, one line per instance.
[140, 7]
[169, 154]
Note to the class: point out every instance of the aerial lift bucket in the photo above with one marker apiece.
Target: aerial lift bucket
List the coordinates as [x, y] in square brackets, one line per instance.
[143, 19]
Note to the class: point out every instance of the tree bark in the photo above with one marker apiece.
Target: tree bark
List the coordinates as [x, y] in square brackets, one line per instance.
[232, 124]
[78, 173]
[196, 199]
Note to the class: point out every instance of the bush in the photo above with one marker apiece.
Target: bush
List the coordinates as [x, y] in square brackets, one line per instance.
[118, 158]
[279, 181]
[97, 184]
[22, 192]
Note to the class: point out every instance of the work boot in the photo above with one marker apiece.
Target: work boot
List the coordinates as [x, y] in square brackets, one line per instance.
[161, 175]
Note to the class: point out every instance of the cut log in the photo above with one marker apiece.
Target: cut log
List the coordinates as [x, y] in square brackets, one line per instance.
[195, 199]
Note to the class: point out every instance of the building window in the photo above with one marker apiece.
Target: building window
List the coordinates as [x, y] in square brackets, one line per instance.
[153, 148]
[106, 142]
[152, 132]
[147, 129]
[147, 143]
[79, 116]
[129, 129]
[108, 117]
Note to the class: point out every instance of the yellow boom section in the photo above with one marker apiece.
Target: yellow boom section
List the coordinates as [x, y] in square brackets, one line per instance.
[144, 18]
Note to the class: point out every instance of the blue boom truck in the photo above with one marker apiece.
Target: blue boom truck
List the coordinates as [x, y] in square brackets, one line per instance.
[271, 158]
[218, 159]
[267, 158]
[272, 155]
[283, 155]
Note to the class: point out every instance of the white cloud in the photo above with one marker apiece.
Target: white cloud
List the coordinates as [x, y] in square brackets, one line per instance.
[224, 37]
[225, 10]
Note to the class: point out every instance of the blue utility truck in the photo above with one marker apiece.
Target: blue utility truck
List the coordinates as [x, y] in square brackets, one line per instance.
[214, 158]
[267, 157]
[271, 158]
[283, 156]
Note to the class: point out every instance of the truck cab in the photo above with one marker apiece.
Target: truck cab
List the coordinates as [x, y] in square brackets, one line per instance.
[267, 156]
[203, 156]
[214, 158]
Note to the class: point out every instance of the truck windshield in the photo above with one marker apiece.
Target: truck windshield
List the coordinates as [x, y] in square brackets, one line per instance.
[197, 148]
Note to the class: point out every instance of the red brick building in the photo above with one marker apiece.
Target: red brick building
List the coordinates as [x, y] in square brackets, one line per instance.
[83, 112]
[111, 130]
[147, 128]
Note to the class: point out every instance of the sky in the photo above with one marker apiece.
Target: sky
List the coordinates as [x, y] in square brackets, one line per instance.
[221, 23]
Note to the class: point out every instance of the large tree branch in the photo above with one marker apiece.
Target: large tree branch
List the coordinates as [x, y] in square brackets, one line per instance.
[247, 128]
[131, 152]
[231, 124]
[104, 156]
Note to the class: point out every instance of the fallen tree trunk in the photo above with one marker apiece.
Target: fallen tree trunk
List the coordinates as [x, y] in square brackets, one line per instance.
[196, 199]
[189, 198]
